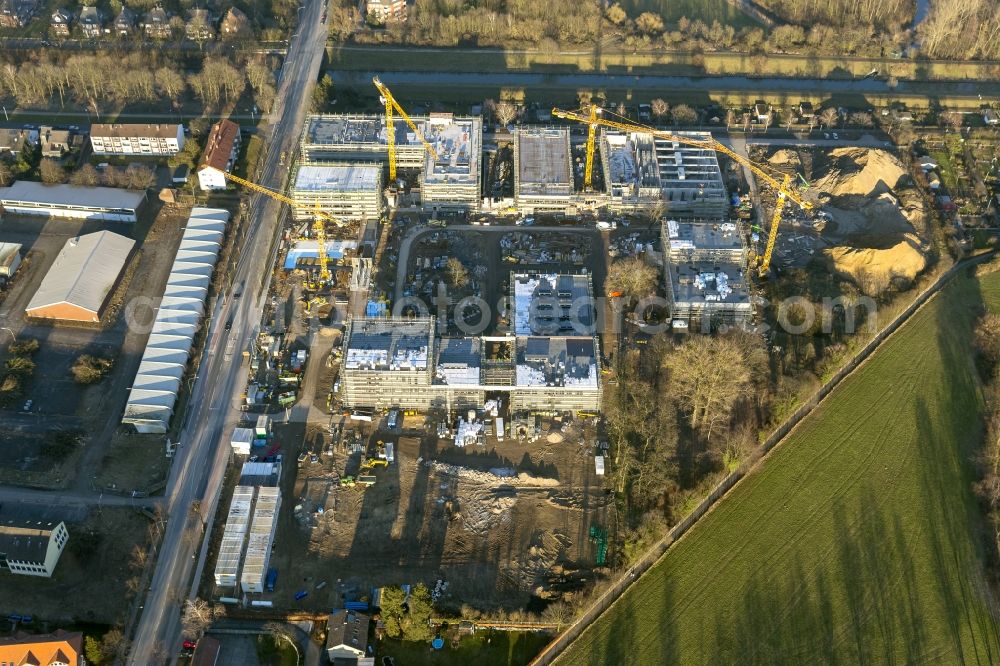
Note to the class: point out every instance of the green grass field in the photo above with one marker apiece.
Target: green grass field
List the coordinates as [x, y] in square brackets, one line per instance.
[857, 541]
[485, 648]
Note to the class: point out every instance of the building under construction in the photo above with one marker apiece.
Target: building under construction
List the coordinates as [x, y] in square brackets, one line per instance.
[549, 362]
[358, 138]
[705, 267]
[452, 181]
[543, 172]
[640, 171]
[349, 192]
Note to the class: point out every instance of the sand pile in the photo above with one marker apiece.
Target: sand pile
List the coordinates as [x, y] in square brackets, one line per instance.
[861, 171]
[873, 269]
[503, 478]
[785, 157]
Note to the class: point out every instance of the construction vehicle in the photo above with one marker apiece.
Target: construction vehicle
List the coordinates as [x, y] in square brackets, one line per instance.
[391, 105]
[320, 218]
[374, 462]
[780, 181]
[599, 535]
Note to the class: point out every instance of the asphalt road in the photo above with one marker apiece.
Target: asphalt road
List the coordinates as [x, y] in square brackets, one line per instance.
[203, 451]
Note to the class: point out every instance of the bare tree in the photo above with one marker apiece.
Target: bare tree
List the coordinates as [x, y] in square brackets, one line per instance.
[86, 176]
[113, 643]
[649, 23]
[660, 108]
[489, 108]
[51, 172]
[138, 557]
[709, 375]
[458, 274]
[6, 175]
[861, 118]
[952, 120]
[621, 110]
[630, 279]
[197, 616]
[282, 632]
[828, 117]
[505, 113]
[685, 115]
[730, 118]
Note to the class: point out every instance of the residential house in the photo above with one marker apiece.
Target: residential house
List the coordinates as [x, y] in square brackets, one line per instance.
[62, 648]
[220, 153]
[762, 112]
[61, 22]
[91, 22]
[806, 111]
[55, 142]
[235, 25]
[933, 181]
[199, 26]
[17, 13]
[137, 139]
[381, 11]
[13, 141]
[156, 25]
[346, 634]
[31, 548]
[10, 259]
[927, 163]
[124, 23]
[902, 114]
[991, 117]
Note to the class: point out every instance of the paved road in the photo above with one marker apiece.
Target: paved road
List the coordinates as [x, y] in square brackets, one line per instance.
[203, 453]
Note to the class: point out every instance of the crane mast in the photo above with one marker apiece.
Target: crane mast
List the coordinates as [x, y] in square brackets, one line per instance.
[588, 174]
[785, 191]
[319, 218]
[391, 107]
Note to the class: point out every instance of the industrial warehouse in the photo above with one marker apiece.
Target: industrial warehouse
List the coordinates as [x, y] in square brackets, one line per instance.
[705, 273]
[550, 363]
[82, 279]
[90, 203]
[349, 192]
[157, 382]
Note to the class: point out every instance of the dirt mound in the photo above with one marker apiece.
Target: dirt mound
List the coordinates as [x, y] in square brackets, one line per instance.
[785, 157]
[865, 221]
[861, 171]
[873, 269]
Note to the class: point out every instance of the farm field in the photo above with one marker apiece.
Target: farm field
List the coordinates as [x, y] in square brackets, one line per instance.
[855, 542]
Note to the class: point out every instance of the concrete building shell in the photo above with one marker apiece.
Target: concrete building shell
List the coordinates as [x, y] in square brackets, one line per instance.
[543, 170]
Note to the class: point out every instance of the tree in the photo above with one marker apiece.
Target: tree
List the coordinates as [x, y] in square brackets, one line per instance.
[92, 651]
[282, 632]
[90, 369]
[113, 643]
[660, 108]
[410, 621]
[828, 117]
[685, 115]
[86, 176]
[458, 274]
[6, 175]
[505, 113]
[709, 375]
[621, 110]
[169, 83]
[197, 616]
[649, 23]
[861, 118]
[630, 279]
[616, 14]
[139, 176]
[51, 172]
[952, 120]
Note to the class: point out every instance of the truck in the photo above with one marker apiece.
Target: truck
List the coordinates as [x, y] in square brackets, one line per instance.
[301, 594]
[272, 578]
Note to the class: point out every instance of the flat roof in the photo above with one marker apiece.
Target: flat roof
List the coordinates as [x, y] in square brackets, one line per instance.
[458, 361]
[569, 362]
[696, 235]
[356, 129]
[84, 272]
[336, 177]
[26, 191]
[543, 159]
[709, 282]
[656, 162]
[457, 142]
[26, 540]
[161, 131]
[552, 304]
[389, 344]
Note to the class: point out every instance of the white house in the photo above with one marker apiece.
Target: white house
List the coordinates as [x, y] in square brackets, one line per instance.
[31, 548]
[136, 139]
[221, 149]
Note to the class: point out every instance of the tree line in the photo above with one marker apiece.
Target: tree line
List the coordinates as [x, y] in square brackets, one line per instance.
[987, 487]
[109, 80]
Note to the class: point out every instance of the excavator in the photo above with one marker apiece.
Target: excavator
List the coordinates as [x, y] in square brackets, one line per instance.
[595, 117]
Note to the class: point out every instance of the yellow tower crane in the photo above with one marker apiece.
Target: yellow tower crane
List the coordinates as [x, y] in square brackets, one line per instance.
[391, 105]
[319, 222]
[783, 186]
[588, 174]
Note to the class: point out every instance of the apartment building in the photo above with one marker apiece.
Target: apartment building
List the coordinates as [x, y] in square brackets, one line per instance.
[221, 149]
[31, 547]
[62, 648]
[136, 139]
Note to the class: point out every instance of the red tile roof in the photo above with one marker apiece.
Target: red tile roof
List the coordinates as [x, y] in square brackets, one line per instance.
[220, 144]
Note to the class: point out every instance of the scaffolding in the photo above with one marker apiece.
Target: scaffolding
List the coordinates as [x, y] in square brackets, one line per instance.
[543, 172]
